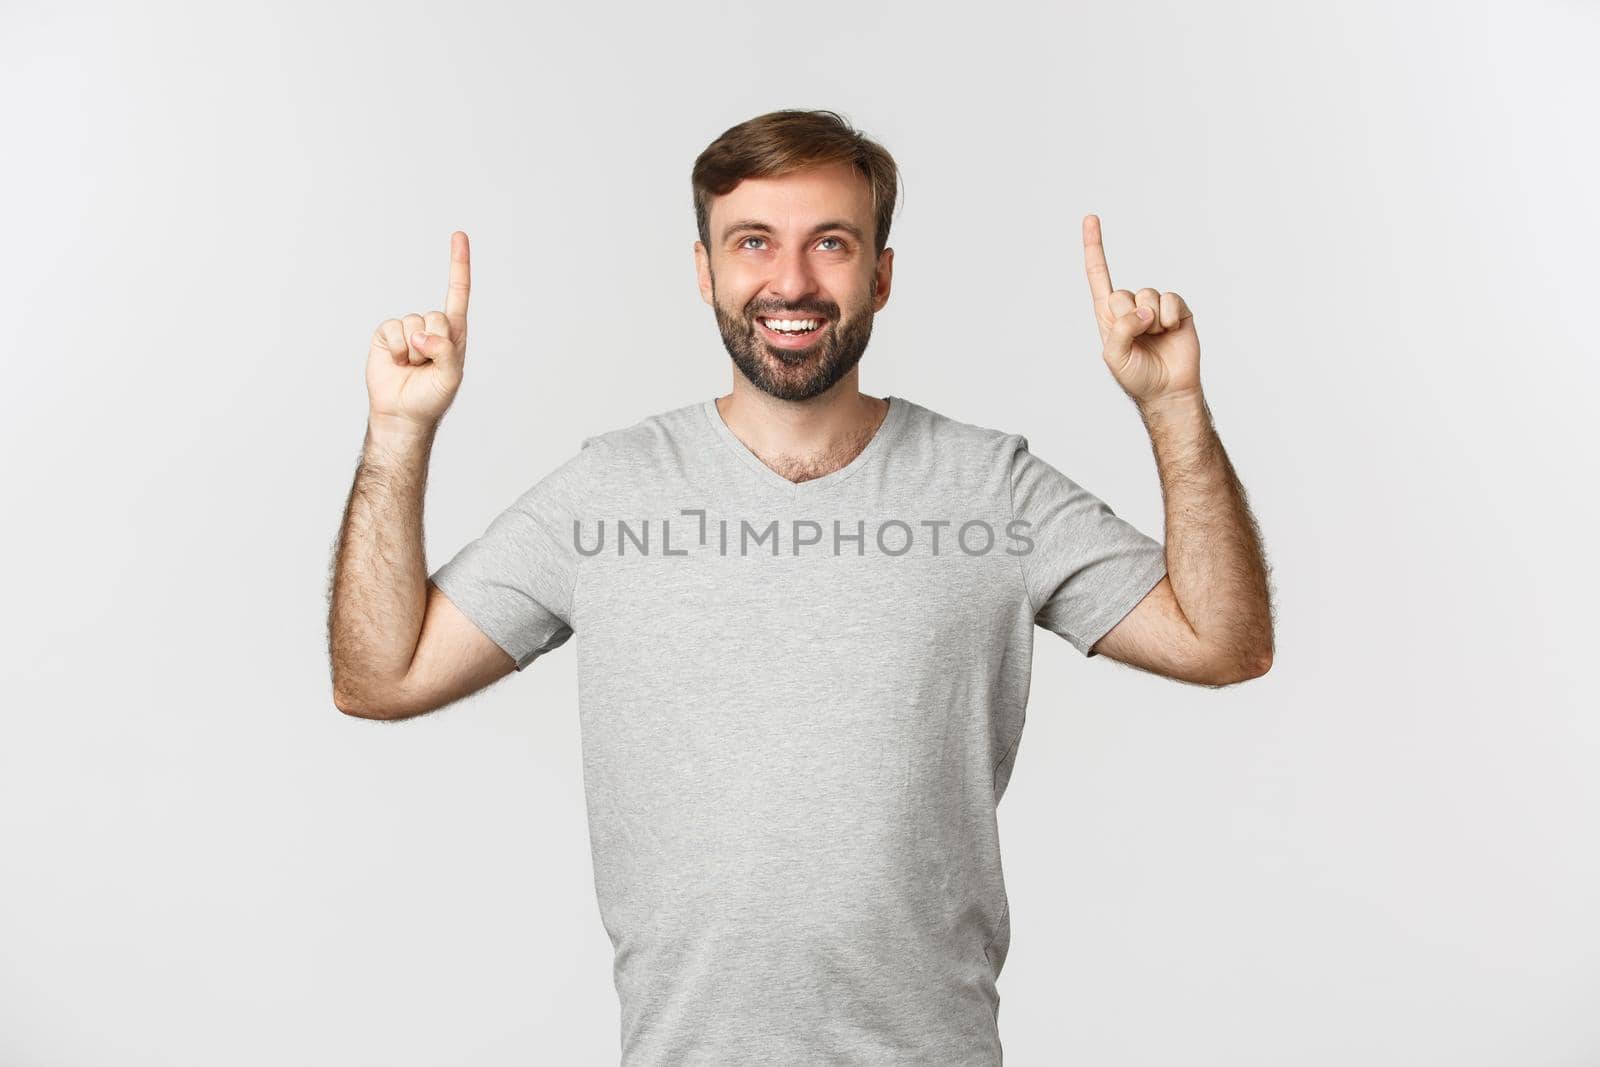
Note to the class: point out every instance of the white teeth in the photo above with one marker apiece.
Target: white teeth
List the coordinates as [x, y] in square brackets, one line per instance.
[791, 325]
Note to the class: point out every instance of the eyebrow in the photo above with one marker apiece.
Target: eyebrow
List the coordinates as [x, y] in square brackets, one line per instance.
[757, 225]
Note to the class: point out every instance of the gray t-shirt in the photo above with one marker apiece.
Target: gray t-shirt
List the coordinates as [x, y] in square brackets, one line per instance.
[800, 705]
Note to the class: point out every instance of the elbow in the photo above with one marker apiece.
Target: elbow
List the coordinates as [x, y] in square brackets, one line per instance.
[1233, 669]
[349, 705]
[1255, 667]
[1261, 660]
[357, 706]
[1263, 663]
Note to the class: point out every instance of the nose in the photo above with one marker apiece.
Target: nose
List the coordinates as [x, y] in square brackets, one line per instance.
[793, 277]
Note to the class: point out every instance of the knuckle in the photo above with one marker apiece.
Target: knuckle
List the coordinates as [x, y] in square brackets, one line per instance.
[388, 334]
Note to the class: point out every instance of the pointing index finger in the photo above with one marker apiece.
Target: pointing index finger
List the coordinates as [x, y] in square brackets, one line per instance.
[460, 287]
[1094, 260]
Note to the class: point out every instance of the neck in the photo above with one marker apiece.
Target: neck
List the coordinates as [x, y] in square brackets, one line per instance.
[803, 439]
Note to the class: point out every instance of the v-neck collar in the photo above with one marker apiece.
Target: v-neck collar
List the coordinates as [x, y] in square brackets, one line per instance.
[774, 480]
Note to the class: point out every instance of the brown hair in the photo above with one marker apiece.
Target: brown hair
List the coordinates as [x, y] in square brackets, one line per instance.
[783, 141]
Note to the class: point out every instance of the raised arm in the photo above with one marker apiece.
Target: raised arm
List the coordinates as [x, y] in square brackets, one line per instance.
[1210, 620]
[397, 646]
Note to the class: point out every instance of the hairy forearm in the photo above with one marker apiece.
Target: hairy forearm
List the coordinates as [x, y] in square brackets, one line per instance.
[1213, 546]
[379, 589]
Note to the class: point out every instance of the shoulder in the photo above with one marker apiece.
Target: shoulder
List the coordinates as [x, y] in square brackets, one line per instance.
[960, 444]
[646, 433]
[643, 449]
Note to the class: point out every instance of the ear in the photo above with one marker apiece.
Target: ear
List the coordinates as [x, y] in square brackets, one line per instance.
[882, 278]
[702, 270]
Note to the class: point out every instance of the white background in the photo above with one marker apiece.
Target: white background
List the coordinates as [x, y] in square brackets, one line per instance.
[1381, 853]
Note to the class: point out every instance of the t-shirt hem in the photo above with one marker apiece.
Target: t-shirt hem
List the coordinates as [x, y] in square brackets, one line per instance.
[1118, 608]
[482, 615]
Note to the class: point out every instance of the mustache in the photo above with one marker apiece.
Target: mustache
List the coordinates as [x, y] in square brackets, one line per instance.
[795, 313]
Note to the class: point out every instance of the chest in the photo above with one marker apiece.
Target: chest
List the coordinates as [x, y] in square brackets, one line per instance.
[794, 607]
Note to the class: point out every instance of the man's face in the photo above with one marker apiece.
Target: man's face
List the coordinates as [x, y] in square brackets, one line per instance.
[795, 248]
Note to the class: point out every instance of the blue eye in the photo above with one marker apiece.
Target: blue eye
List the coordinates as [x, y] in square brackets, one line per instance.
[745, 242]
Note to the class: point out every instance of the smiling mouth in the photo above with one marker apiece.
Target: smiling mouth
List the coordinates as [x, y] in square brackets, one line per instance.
[791, 332]
[792, 324]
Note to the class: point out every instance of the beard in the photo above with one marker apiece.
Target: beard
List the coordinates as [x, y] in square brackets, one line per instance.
[789, 373]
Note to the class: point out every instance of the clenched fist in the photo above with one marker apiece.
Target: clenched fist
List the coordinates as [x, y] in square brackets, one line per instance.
[414, 364]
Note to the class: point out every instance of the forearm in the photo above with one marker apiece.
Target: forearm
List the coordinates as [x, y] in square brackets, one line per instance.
[1213, 546]
[379, 590]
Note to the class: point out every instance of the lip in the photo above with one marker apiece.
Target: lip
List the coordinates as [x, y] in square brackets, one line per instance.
[783, 340]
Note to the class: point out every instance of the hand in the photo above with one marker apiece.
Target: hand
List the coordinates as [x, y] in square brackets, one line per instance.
[1150, 358]
[414, 364]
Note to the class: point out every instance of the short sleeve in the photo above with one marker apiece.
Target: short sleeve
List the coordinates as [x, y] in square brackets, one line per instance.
[515, 582]
[1087, 567]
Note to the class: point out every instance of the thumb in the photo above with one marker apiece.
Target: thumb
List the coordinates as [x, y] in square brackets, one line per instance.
[1119, 342]
[437, 348]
